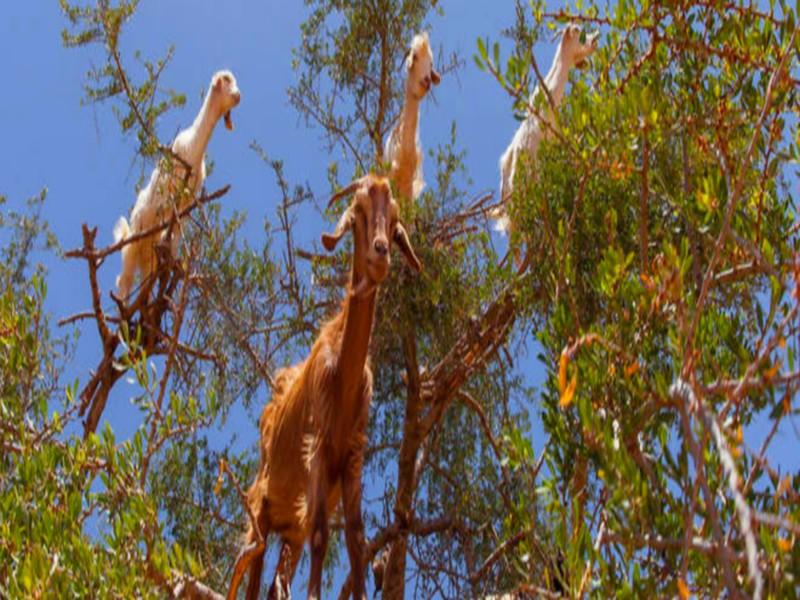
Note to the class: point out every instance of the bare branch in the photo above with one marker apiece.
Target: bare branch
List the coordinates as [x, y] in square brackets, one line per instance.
[683, 393]
[498, 552]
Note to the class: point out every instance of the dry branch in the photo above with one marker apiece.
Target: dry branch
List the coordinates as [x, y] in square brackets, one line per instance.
[387, 535]
[684, 395]
[145, 314]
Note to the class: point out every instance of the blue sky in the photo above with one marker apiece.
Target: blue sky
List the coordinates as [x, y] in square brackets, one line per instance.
[51, 140]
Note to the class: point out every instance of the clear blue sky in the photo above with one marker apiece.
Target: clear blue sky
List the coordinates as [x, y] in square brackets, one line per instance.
[77, 152]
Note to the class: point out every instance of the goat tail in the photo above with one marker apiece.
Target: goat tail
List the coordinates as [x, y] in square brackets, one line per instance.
[501, 220]
[121, 230]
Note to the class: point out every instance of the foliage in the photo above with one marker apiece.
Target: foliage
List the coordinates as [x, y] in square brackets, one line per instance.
[658, 283]
[671, 290]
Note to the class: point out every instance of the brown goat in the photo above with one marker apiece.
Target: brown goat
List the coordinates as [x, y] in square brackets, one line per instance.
[313, 433]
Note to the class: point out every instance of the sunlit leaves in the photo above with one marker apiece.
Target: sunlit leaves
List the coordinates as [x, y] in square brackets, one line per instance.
[566, 390]
[688, 97]
[683, 590]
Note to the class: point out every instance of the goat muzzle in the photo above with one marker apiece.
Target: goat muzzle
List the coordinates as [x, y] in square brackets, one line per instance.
[381, 247]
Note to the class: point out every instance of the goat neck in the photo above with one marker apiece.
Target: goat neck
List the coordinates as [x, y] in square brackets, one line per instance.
[556, 79]
[202, 128]
[409, 119]
[358, 312]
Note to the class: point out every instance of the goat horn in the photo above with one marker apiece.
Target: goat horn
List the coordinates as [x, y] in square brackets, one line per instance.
[345, 191]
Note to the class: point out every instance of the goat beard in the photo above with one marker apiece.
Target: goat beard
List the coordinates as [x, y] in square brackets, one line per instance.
[228, 121]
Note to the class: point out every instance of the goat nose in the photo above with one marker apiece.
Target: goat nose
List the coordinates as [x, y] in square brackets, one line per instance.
[381, 247]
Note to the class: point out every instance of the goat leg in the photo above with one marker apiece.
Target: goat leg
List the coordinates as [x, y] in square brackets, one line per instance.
[281, 588]
[248, 553]
[354, 524]
[319, 527]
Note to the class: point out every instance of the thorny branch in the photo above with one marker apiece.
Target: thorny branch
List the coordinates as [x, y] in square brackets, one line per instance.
[144, 314]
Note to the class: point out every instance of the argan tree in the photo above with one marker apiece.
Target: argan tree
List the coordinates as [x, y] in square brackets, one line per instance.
[657, 282]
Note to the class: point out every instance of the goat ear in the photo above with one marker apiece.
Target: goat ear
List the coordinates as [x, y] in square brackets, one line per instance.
[402, 241]
[329, 240]
[435, 77]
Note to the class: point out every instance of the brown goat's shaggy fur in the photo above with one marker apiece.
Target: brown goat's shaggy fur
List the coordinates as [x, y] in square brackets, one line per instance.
[313, 433]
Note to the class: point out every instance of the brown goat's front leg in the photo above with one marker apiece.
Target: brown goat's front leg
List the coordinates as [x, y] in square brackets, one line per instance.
[254, 583]
[318, 510]
[287, 563]
[353, 523]
[253, 552]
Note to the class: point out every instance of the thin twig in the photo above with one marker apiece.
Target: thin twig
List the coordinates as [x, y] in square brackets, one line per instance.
[683, 394]
[733, 202]
[225, 468]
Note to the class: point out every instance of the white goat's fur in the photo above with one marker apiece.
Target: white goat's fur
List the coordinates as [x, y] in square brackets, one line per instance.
[165, 191]
[402, 148]
[571, 52]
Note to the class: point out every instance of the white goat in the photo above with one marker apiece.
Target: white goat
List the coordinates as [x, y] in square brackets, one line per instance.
[166, 191]
[402, 147]
[572, 52]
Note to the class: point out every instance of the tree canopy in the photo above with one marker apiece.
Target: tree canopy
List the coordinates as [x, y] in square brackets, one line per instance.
[658, 281]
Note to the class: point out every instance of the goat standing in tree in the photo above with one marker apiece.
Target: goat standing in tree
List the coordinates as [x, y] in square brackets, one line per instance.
[573, 51]
[402, 147]
[169, 189]
[313, 433]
